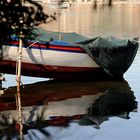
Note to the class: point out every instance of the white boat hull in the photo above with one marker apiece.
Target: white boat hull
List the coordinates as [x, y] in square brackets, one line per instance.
[51, 61]
[50, 57]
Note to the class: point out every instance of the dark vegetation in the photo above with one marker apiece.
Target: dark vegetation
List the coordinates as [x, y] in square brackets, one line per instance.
[17, 17]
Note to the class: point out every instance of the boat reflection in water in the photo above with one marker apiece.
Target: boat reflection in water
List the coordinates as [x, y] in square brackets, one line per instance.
[60, 103]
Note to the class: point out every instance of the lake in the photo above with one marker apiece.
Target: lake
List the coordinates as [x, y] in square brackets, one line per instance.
[75, 103]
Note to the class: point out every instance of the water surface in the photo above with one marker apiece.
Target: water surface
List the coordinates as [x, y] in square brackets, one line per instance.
[121, 20]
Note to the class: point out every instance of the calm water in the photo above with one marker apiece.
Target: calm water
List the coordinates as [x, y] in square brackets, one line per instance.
[118, 20]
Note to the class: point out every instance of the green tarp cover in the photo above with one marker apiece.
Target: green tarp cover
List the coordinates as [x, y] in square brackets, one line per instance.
[112, 54]
[46, 36]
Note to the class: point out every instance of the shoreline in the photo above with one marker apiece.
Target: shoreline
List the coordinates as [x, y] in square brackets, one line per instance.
[115, 2]
[100, 2]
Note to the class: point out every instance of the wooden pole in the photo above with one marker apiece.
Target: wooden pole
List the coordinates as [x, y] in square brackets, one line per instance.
[18, 79]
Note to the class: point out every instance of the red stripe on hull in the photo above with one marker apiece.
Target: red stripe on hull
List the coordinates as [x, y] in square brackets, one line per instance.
[49, 46]
[66, 48]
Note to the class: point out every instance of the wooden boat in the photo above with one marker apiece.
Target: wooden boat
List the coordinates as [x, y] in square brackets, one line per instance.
[55, 59]
[59, 59]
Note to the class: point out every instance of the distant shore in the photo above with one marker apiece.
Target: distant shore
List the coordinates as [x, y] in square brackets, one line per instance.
[114, 2]
[100, 2]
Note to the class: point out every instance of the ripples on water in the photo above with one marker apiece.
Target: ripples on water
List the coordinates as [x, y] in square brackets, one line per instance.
[107, 105]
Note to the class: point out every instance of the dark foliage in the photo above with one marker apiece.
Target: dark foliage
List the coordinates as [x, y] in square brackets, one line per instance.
[16, 17]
